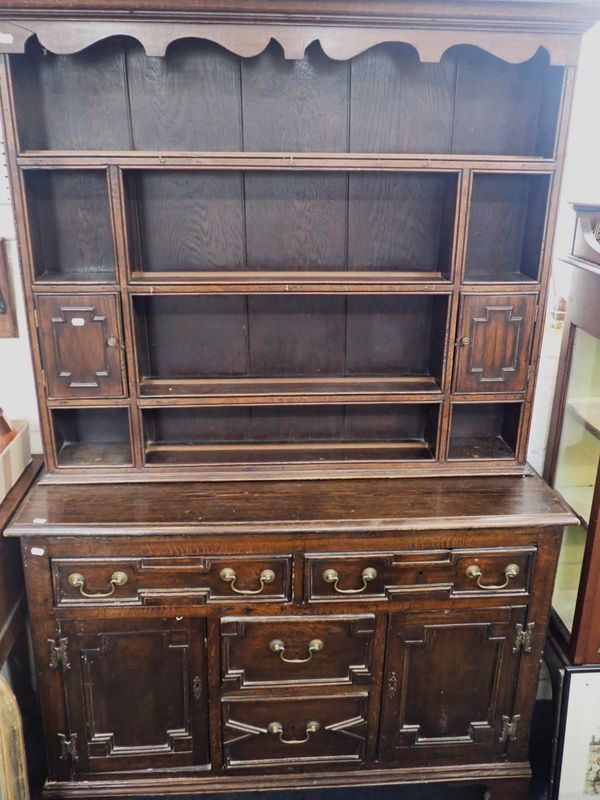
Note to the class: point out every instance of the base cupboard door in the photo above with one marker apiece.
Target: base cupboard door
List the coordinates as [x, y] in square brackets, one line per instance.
[449, 685]
[136, 694]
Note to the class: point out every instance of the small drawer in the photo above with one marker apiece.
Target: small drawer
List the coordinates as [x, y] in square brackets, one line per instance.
[437, 573]
[172, 580]
[279, 651]
[281, 730]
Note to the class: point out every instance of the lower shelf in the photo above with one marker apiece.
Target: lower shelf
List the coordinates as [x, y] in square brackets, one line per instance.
[94, 454]
[278, 453]
[282, 434]
[484, 431]
[92, 437]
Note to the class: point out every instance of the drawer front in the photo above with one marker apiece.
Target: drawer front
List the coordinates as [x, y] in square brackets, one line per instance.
[171, 580]
[279, 651]
[441, 573]
[297, 730]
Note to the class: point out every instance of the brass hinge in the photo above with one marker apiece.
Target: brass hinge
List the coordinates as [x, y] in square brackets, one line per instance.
[43, 375]
[523, 637]
[58, 655]
[509, 728]
[68, 746]
[36, 318]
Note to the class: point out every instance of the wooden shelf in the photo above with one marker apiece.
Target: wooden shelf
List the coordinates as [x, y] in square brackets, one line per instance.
[285, 390]
[288, 161]
[285, 281]
[162, 455]
[480, 448]
[94, 454]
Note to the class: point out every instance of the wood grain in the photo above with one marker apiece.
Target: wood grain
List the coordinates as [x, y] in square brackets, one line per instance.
[295, 221]
[75, 102]
[70, 225]
[395, 221]
[189, 100]
[298, 105]
[189, 221]
[399, 104]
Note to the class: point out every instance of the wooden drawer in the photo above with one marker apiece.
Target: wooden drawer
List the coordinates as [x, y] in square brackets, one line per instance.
[265, 731]
[278, 651]
[385, 576]
[172, 580]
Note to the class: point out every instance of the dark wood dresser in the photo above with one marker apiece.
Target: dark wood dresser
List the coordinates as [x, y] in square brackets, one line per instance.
[286, 267]
[195, 637]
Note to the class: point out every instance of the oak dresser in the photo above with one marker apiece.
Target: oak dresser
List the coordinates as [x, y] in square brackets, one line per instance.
[286, 271]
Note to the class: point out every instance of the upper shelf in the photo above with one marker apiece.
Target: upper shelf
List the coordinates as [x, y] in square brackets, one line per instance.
[206, 99]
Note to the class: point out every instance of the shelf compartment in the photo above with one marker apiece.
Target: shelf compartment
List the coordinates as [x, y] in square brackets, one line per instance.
[206, 98]
[506, 227]
[316, 344]
[283, 434]
[91, 437]
[70, 225]
[484, 430]
[191, 221]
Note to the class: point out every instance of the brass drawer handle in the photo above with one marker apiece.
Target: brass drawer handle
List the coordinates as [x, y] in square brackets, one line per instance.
[276, 728]
[77, 581]
[331, 576]
[228, 574]
[511, 571]
[314, 646]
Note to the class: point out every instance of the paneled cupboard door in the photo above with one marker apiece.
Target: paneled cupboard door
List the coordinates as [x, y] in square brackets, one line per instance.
[494, 343]
[136, 693]
[81, 344]
[448, 687]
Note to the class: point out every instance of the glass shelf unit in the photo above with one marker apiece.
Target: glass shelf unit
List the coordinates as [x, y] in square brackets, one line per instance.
[574, 456]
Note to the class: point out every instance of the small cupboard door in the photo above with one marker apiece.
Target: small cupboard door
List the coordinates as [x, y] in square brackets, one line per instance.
[449, 682]
[136, 693]
[80, 340]
[494, 343]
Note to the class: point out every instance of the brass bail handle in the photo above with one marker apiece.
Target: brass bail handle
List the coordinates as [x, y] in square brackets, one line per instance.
[228, 575]
[332, 576]
[276, 729]
[278, 646]
[475, 573]
[77, 581]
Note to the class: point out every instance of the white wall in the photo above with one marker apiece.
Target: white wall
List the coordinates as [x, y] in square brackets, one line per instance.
[581, 182]
[17, 389]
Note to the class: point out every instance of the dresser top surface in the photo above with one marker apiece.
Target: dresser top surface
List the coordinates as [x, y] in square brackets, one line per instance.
[272, 506]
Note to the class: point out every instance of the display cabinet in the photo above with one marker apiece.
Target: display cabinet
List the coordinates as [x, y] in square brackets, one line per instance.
[573, 455]
[318, 247]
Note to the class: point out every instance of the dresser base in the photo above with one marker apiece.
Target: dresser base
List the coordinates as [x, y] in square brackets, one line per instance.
[501, 782]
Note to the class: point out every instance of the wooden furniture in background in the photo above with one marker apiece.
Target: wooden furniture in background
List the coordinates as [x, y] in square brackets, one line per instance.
[12, 588]
[273, 243]
[19, 710]
[573, 456]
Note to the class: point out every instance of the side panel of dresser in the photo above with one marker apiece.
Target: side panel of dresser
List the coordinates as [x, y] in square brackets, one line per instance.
[454, 685]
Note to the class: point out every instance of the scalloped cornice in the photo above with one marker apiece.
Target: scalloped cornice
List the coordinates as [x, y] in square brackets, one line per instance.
[340, 42]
